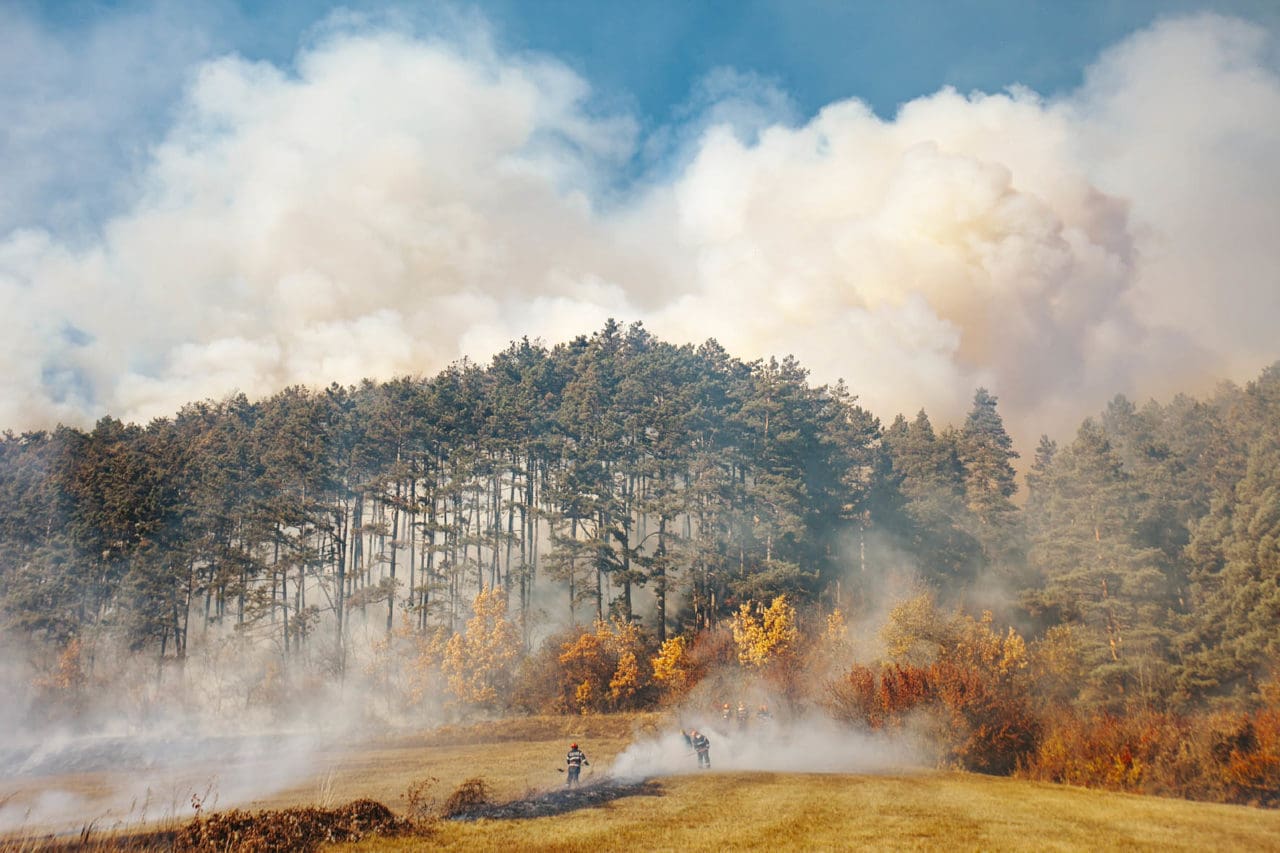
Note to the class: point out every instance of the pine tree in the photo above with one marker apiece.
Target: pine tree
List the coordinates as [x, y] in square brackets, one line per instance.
[1096, 574]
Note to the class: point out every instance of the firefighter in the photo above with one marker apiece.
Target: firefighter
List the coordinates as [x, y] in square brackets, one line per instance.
[725, 713]
[742, 716]
[702, 746]
[763, 715]
[574, 760]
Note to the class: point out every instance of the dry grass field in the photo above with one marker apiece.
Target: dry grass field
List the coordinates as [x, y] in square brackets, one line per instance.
[928, 811]
[740, 810]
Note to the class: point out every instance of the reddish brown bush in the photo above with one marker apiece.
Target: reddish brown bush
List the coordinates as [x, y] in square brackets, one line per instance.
[1232, 758]
[985, 718]
[992, 726]
[879, 698]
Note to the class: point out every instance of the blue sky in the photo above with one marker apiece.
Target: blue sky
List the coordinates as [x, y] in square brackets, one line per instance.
[648, 59]
[817, 50]
[199, 198]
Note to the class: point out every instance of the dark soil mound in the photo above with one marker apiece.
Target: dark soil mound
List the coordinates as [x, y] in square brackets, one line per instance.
[289, 829]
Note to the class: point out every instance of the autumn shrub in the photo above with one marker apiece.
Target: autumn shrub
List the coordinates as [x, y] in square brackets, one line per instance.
[300, 829]
[586, 667]
[983, 685]
[479, 664]
[473, 794]
[675, 670]
[879, 697]
[539, 682]
[606, 669]
[63, 690]
[970, 680]
[1222, 757]
[990, 723]
[1249, 759]
[768, 644]
[420, 802]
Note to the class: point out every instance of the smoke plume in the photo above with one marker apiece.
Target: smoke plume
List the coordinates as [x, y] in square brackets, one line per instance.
[390, 202]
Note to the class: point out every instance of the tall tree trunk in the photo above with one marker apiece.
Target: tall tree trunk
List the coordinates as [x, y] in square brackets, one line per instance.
[395, 534]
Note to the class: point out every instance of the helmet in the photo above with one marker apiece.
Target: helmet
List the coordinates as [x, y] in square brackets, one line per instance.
[573, 746]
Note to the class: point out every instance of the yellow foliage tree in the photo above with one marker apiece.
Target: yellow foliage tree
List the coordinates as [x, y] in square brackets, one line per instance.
[831, 652]
[67, 685]
[479, 664]
[768, 639]
[672, 669]
[626, 679]
[586, 666]
[978, 644]
[405, 666]
[917, 631]
[603, 667]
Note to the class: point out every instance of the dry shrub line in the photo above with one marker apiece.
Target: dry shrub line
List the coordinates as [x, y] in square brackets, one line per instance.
[301, 829]
[987, 723]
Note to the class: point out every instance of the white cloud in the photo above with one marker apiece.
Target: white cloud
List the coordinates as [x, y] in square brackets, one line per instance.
[389, 204]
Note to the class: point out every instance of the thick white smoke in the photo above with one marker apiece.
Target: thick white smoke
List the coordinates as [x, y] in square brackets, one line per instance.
[389, 204]
[814, 744]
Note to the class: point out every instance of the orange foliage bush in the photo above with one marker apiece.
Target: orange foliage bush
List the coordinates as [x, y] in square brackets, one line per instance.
[1232, 758]
[879, 698]
[63, 690]
[975, 690]
[604, 669]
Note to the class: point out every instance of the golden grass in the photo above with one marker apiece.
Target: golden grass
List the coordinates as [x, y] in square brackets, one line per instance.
[515, 757]
[928, 811]
[742, 811]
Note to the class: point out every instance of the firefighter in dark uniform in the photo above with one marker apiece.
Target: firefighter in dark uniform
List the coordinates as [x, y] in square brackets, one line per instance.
[574, 760]
[702, 746]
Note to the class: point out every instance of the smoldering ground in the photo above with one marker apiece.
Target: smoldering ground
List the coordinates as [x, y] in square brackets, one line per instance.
[130, 743]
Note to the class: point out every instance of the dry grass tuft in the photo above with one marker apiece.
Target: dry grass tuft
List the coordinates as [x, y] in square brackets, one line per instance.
[472, 795]
[420, 802]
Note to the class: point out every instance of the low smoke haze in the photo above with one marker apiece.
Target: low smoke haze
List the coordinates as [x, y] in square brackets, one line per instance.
[392, 200]
[810, 745]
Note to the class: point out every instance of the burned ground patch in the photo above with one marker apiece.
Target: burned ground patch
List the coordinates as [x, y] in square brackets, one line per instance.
[563, 800]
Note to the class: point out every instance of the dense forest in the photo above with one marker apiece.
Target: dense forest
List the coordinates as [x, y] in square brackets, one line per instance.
[619, 480]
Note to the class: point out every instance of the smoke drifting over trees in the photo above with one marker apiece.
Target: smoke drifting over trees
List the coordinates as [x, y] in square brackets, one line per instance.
[617, 522]
[391, 202]
[617, 476]
[255, 476]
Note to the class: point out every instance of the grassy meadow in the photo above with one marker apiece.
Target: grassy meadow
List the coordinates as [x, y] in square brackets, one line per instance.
[925, 811]
[720, 810]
